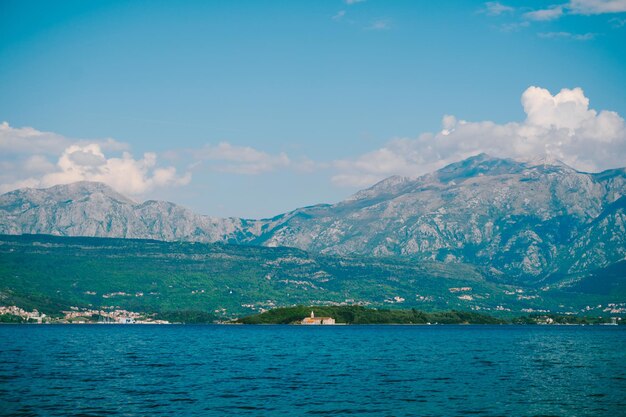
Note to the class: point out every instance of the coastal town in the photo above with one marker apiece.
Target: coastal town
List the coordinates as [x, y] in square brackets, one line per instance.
[77, 316]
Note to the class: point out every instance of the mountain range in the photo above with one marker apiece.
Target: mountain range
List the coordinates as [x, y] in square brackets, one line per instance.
[521, 221]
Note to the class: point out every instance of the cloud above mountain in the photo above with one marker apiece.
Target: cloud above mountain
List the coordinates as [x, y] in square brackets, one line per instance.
[560, 126]
[124, 173]
[31, 158]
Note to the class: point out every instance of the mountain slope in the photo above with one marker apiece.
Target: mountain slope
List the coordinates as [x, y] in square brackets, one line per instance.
[54, 274]
[94, 209]
[524, 220]
[518, 218]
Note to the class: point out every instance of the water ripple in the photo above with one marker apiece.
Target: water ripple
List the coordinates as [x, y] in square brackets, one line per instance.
[291, 371]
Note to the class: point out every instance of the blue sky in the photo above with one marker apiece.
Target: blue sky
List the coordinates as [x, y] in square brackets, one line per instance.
[262, 107]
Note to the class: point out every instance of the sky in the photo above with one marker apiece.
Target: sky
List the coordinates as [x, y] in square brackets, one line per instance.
[254, 108]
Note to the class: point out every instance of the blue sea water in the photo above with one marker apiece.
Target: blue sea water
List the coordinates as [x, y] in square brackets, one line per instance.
[90, 370]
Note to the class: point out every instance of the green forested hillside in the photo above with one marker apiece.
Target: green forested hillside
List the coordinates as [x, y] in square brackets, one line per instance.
[173, 278]
[361, 315]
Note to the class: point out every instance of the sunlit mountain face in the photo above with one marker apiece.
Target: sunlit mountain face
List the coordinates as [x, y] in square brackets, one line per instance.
[525, 220]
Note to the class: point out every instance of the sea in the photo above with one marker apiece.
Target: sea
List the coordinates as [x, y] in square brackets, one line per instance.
[230, 370]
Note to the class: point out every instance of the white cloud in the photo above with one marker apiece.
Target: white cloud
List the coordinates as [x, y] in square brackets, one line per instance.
[340, 14]
[578, 7]
[31, 158]
[241, 159]
[587, 7]
[125, 174]
[37, 165]
[494, 8]
[551, 13]
[380, 24]
[351, 2]
[27, 140]
[567, 35]
[560, 126]
[515, 26]
[28, 157]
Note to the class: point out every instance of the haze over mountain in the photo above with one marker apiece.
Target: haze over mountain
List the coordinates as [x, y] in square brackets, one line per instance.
[521, 219]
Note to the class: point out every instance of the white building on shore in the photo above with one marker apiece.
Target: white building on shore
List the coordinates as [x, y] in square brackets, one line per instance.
[317, 320]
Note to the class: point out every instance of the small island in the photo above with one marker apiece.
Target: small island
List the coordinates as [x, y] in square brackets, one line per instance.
[360, 315]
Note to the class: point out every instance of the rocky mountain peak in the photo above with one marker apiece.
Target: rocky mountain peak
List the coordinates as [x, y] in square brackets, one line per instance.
[86, 189]
[479, 165]
[547, 160]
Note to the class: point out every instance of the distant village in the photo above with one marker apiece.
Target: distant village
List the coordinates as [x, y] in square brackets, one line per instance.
[84, 316]
[81, 316]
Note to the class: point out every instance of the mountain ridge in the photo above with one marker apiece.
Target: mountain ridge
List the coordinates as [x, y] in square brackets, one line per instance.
[526, 220]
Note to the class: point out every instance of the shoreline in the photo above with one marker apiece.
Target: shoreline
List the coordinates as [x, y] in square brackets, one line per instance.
[316, 325]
